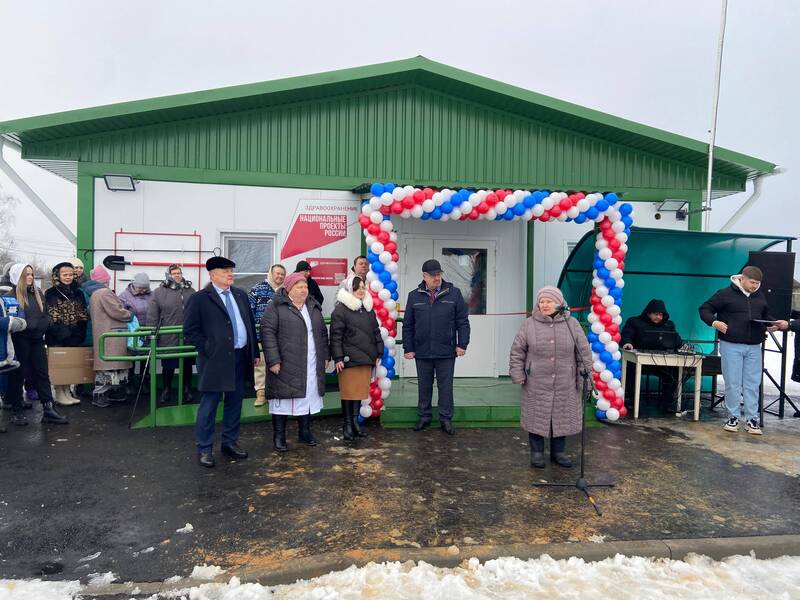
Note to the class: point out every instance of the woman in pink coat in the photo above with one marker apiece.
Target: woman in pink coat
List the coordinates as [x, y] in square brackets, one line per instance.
[546, 360]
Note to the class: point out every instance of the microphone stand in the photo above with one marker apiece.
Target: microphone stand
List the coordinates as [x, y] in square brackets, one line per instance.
[583, 485]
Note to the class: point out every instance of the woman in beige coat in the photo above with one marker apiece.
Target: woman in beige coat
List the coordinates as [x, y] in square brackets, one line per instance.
[108, 313]
[546, 361]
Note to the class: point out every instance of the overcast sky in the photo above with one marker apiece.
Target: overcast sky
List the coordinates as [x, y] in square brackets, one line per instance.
[651, 62]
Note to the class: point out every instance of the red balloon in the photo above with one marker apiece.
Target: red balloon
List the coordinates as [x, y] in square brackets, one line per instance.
[614, 244]
[621, 265]
[601, 385]
[491, 199]
[383, 237]
[545, 217]
[375, 393]
[428, 192]
[566, 203]
[419, 196]
[364, 221]
[373, 229]
[377, 404]
[622, 411]
[595, 299]
[606, 319]
[579, 196]
[382, 313]
[555, 211]
[408, 202]
[390, 246]
[395, 256]
[393, 332]
[501, 194]
[609, 395]
[473, 216]
[389, 323]
[617, 402]
[617, 337]
[483, 208]
[605, 224]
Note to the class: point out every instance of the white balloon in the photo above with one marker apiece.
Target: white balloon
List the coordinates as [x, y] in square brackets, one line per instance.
[616, 274]
[375, 203]
[392, 352]
[391, 266]
[465, 207]
[388, 303]
[618, 227]
[612, 414]
[601, 243]
[384, 332]
[604, 338]
[370, 239]
[607, 300]
[404, 215]
[371, 276]
[620, 283]
[385, 295]
[365, 411]
[394, 276]
[624, 249]
[520, 195]
[386, 198]
[482, 195]
[474, 199]
[366, 401]
[601, 291]
[391, 342]
[394, 314]
[611, 264]
[622, 237]
[381, 372]
[428, 205]
[548, 203]
[592, 318]
[444, 217]
[417, 211]
[604, 253]
[398, 193]
[385, 394]
[376, 285]
[614, 310]
[511, 201]
[583, 205]
[456, 214]
[596, 282]
[385, 383]
[437, 198]
[606, 375]
[366, 209]
[387, 226]
[617, 355]
[603, 404]
[491, 214]
[409, 189]
[501, 207]
[596, 327]
[599, 366]
[612, 346]
[537, 210]
[617, 320]
[376, 247]
[376, 217]
[614, 384]
[573, 212]
[385, 257]
[562, 216]
[620, 392]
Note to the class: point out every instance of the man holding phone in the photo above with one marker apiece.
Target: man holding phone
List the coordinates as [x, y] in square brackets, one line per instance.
[740, 314]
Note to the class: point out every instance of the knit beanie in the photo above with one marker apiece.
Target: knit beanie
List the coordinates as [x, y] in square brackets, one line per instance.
[100, 275]
[141, 281]
[75, 262]
[292, 280]
[551, 292]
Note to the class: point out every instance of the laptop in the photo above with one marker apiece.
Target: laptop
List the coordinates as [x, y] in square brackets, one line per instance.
[663, 341]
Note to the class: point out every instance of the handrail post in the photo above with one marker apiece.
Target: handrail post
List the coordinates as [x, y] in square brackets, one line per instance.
[180, 371]
[153, 342]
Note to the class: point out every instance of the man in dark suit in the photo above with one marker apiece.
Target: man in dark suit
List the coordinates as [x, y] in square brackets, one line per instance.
[435, 332]
[218, 322]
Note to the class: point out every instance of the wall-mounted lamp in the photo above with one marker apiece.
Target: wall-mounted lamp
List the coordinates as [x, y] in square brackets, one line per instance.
[120, 183]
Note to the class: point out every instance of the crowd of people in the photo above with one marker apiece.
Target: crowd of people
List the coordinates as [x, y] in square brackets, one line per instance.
[274, 339]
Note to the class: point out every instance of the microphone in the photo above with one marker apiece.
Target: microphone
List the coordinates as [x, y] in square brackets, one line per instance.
[561, 309]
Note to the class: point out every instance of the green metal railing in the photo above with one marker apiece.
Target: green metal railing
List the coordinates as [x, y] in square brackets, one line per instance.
[153, 353]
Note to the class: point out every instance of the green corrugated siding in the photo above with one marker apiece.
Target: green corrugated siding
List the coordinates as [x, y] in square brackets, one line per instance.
[404, 134]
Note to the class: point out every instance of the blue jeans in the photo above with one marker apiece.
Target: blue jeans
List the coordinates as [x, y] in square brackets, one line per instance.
[741, 369]
[443, 369]
[231, 413]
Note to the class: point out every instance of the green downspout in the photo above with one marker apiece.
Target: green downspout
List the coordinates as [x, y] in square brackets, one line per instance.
[85, 218]
[695, 212]
[529, 268]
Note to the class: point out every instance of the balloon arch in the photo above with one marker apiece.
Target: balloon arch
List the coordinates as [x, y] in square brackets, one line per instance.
[613, 217]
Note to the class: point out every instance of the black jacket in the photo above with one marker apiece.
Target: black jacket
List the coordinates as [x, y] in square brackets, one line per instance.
[284, 339]
[434, 330]
[643, 334]
[355, 333]
[207, 326]
[68, 310]
[731, 306]
[36, 318]
[314, 291]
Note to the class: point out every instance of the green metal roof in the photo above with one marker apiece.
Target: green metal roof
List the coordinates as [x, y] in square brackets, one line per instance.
[418, 71]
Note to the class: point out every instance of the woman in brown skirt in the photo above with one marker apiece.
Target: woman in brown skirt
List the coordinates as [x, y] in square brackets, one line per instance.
[356, 347]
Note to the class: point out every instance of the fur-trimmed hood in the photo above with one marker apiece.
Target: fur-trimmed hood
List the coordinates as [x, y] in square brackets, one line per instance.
[353, 303]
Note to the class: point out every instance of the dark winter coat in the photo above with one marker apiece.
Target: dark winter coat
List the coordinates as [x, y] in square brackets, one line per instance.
[731, 306]
[167, 307]
[284, 340]
[314, 291]
[641, 333]
[434, 330]
[138, 304]
[546, 362]
[207, 326]
[355, 333]
[68, 309]
[36, 319]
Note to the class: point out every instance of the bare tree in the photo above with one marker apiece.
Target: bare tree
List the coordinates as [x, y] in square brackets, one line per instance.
[8, 205]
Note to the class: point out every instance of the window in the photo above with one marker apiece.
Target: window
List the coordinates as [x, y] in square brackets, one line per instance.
[253, 254]
[466, 269]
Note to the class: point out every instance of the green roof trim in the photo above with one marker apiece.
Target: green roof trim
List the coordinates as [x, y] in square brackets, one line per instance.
[418, 70]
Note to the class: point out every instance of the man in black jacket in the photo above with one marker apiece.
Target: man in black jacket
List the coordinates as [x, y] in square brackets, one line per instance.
[218, 322]
[313, 287]
[435, 332]
[652, 330]
[740, 314]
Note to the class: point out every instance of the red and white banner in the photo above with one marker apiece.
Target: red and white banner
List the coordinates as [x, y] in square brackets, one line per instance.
[328, 271]
[318, 223]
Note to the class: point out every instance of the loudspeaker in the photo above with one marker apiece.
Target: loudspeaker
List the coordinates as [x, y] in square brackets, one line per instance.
[778, 269]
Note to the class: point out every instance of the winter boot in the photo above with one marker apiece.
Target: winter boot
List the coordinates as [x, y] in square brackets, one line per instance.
[166, 396]
[62, 395]
[279, 432]
[355, 407]
[261, 398]
[187, 395]
[347, 420]
[101, 400]
[51, 415]
[304, 430]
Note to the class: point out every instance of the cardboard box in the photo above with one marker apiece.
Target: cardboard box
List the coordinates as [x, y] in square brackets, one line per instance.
[70, 365]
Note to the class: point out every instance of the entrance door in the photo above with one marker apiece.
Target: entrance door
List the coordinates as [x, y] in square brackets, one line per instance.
[470, 266]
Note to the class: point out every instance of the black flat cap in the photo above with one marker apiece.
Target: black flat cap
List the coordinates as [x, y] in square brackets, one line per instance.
[302, 266]
[219, 262]
[431, 266]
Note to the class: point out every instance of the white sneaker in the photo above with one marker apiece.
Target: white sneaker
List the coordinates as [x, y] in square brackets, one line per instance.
[732, 424]
[752, 427]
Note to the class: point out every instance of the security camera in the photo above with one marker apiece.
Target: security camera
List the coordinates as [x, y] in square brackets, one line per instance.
[658, 216]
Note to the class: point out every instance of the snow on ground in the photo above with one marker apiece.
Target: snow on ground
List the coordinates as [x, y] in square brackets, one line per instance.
[621, 577]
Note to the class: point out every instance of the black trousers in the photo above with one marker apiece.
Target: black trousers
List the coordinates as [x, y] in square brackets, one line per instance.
[669, 383]
[32, 357]
[557, 444]
[443, 369]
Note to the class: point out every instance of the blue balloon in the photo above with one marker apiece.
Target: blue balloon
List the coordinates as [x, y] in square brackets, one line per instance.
[389, 187]
[592, 213]
[390, 373]
[611, 198]
[385, 277]
[361, 420]
[591, 336]
[377, 189]
[378, 266]
[611, 283]
[388, 362]
[437, 213]
[625, 209]
[519, 209]
[395, 296]
[606, 357]
[387, 217]
[447, 207]
[627, 232]
[627, 220]
[601, 205]
[464, 193]
[598, 347]
[600, 414]
[614, 366]
[425, 216]
[528, 201]
[598, 264]
[508, 215]
[499, 217]
[581, 218]
[372, 257]
[538, 197]
[602, 272]
[392, 286]
[616, 293]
